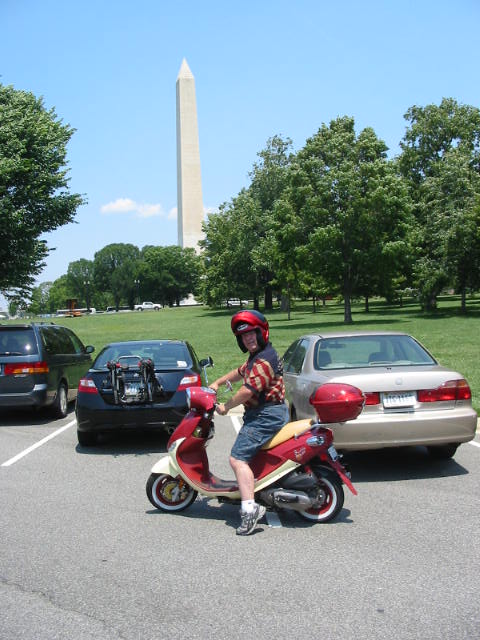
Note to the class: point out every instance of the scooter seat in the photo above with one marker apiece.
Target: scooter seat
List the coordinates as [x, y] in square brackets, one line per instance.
[290, 430]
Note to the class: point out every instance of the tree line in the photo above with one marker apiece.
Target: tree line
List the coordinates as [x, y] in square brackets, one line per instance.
[336, 218]
[122, 275]
[340, 218]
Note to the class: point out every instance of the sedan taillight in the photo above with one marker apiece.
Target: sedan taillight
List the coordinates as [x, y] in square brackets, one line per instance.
[192, 380]
[22, 368]
[86, 385]
[448, 391]
[372, 398]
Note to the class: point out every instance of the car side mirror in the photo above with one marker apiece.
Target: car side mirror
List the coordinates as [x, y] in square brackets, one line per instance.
[89, 349]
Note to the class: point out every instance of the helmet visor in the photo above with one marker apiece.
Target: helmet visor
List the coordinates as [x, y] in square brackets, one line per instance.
[244, 328]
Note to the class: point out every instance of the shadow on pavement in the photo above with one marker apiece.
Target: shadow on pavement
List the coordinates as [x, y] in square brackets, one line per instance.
[127, 443]
[396, 464]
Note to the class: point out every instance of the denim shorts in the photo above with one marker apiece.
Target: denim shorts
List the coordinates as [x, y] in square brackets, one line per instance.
[259, 425]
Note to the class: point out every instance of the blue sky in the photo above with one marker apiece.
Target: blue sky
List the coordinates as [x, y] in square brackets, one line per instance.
[261, 67]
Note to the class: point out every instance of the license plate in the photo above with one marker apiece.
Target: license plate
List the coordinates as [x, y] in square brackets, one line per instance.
[399, 399]
[132, 389]
[332, 452]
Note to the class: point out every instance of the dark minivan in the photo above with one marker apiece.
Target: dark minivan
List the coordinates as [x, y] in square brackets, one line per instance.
[41, 365]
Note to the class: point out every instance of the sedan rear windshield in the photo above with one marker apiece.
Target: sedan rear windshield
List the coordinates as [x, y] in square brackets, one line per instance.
[17, 341]
[165, 355]
[369, 351]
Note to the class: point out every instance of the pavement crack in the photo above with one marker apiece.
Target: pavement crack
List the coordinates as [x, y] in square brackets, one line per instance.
[52, 601]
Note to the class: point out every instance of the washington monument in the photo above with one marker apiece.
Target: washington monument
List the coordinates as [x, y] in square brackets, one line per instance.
[189, 182]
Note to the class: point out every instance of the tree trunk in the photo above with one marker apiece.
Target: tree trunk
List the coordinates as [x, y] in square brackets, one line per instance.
[347, 315]
[367, 307]
[285, 303]
[464, 300]
[268, 298]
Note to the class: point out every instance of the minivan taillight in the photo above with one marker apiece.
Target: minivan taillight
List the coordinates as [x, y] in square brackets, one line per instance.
[22, 368]
[448, 391]
[86, 385]
[193, 380]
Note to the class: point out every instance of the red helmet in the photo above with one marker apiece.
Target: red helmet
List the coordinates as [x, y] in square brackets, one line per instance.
[244, 321]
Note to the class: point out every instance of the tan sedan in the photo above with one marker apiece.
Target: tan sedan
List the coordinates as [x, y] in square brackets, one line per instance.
[409, 398]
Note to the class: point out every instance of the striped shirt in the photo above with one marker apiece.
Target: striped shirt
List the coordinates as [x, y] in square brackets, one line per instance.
[262, 374]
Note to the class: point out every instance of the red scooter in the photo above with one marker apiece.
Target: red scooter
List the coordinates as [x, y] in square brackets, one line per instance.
[298, 469]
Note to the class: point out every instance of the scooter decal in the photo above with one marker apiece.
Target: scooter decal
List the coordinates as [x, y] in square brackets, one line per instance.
[299, 453]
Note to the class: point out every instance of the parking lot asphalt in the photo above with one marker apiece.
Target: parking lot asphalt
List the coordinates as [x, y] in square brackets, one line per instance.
[84, 555]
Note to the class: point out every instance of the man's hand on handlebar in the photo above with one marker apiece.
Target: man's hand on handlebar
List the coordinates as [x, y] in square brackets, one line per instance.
[220, 409]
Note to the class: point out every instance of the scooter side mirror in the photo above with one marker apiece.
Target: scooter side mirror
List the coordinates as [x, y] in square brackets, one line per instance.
[204, 363]
[337, 402]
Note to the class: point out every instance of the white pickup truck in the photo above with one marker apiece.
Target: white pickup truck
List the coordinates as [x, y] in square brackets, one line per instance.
[148, 306]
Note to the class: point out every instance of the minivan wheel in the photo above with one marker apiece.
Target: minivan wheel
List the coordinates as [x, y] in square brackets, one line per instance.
[86, 438]
[60, 404]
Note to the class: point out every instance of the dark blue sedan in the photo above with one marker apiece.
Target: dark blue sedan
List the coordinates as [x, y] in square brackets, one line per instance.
[137, 385]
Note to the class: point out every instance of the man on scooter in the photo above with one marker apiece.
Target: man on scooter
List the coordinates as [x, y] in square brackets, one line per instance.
[263, 396]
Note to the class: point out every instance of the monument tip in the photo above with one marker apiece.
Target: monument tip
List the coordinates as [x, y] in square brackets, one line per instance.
[184, 70]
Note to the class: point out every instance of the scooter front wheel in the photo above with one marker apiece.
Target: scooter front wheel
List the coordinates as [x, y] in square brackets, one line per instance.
[169, 494]
[330, 495]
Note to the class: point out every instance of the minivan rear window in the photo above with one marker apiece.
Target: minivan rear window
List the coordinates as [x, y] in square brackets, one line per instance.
[17, 341]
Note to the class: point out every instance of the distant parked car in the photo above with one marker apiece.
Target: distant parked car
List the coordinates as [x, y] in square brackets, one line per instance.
[409, 398]
[148, 306]
[137, 385]
[236, 302]
[41, 365]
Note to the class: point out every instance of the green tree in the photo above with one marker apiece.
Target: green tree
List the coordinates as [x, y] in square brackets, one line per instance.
[115, 268]
[453, 197]
[34, 198]
[39, 299]
[351, 210]
[269, 179]
[169, 274]
[81, 280]
[238, 242]
[441, 160]
[230, 239]
[58, 294]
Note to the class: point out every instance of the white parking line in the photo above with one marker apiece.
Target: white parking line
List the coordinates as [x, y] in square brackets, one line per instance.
[475, 444]
[237, 423]
[24, 453]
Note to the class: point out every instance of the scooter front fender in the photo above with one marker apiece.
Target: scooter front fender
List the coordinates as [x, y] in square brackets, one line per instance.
[167, 465]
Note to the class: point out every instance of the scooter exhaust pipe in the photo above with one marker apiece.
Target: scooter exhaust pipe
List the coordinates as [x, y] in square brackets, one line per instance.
[283, 499]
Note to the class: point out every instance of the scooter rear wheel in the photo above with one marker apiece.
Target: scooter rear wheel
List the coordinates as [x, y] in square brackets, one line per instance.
[332, 504]
[169, 494]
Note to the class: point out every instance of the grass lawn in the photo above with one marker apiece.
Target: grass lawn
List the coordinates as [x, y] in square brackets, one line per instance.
[453, 338]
